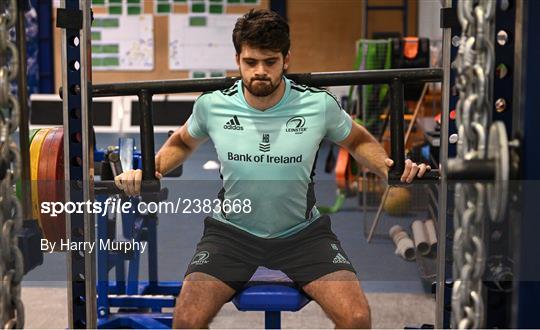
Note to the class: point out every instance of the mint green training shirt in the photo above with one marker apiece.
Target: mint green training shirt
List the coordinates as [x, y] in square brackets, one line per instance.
[268, 157]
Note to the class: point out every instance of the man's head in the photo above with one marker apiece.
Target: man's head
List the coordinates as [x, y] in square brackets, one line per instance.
[261, 40]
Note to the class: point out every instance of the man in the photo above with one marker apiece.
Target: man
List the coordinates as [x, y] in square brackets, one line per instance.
[266, 130]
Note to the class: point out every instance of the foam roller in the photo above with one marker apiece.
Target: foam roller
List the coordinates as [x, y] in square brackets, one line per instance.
[420, 237]
[431, 234]
[404, 244]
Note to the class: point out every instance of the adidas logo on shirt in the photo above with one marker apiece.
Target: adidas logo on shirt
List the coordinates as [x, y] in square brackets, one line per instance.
[339, 259]
[233, 124]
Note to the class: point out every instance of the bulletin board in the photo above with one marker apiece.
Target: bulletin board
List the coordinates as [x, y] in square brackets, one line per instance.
[123, 43]
[323, 34]
[159, 13]
[201, 42]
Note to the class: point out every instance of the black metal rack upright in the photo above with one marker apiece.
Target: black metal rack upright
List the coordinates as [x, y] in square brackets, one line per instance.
[74, 18]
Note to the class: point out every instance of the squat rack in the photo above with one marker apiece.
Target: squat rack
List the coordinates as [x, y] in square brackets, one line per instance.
[75, 20]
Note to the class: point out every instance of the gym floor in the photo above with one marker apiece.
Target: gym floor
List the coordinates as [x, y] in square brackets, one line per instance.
[392, 284]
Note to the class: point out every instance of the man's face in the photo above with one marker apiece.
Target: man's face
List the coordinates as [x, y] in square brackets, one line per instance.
[261, 69]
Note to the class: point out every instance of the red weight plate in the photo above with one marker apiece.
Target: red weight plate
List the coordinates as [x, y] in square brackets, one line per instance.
[51, 184]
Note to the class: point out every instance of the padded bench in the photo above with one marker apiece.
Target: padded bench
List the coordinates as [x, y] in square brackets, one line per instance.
[267, 291]
[272, 292]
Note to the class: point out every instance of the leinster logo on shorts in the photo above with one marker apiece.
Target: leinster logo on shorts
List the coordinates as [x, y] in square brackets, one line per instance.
[296, 125]
[200, 258]
[339, 259]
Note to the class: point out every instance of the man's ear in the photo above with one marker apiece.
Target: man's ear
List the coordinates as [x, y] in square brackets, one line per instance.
[286, 60]
[237, 57]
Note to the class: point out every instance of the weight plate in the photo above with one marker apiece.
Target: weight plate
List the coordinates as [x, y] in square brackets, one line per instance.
[35, 150]
[498, 151]
[18, 189]
[51, 184]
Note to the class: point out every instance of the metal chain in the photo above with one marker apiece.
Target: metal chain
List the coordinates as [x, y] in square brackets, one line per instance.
[11, 261]
[474, 72]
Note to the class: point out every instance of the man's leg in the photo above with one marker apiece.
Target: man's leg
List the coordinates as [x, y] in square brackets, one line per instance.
[342, 299]
[200, 299]
[224, 260]
[315, 260]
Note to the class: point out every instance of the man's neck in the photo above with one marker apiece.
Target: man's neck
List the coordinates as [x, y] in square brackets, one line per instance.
[265, 102]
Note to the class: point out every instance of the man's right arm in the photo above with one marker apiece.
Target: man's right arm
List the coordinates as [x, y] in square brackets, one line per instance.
[178, 147]
[174, 152]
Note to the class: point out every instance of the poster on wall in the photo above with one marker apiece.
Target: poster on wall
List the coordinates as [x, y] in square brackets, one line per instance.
[123, 43]
[165, 7]
[201, 42]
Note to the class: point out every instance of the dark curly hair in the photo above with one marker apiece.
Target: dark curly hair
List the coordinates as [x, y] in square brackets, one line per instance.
[262, 29]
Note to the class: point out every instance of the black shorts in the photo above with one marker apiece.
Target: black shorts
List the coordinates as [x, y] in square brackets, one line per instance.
[233, 255]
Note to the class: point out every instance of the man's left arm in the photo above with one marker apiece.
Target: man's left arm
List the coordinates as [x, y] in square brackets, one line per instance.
[367, 151]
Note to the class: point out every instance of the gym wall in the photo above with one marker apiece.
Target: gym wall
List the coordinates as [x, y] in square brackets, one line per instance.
[323, 35]
[324, 32]
[161, 37]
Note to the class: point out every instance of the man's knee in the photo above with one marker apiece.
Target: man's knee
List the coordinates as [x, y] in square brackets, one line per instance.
[188, 316]
[185, 320]
[359, 318]
[200, 299]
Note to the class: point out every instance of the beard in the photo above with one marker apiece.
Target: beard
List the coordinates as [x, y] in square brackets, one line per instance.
[262, 86]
